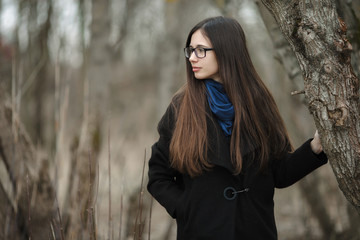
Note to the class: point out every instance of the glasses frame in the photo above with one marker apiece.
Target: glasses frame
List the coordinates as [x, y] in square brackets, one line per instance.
[194, 50]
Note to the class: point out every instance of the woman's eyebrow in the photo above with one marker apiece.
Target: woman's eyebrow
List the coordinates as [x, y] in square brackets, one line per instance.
[199, 45]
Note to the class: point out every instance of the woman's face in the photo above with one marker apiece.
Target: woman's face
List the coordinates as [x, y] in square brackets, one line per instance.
[206, 67]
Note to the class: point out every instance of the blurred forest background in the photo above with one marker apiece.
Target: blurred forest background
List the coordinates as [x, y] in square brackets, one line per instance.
[83, 85]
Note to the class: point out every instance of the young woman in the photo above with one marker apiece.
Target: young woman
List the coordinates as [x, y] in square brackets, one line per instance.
[223, 146]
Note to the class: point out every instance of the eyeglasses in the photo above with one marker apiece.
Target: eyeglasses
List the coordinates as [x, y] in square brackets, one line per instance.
[200, 52]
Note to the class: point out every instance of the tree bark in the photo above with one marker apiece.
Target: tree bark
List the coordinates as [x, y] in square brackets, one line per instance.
[318, 38]
[309, 185]
[349, 12]
[99, 62]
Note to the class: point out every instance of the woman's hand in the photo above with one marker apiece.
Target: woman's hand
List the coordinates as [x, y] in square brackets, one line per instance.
[315, 144]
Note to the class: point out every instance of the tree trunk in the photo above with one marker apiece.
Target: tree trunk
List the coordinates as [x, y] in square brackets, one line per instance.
[317, 36]
[86, 149]
[128, 15]
[99, 62]
[310, 185]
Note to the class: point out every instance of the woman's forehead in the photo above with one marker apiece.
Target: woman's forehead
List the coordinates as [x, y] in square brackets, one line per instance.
[198, 39]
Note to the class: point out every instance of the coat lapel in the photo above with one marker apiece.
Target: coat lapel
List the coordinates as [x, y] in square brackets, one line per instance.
[219, 145]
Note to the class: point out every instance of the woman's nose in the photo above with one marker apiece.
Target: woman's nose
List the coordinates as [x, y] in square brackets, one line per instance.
[193, 57]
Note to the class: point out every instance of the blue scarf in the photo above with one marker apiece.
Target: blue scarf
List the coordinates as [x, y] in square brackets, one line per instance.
[220, 105]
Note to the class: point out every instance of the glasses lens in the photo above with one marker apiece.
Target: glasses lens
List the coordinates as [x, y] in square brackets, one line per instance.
[200, 52]
[187, 52]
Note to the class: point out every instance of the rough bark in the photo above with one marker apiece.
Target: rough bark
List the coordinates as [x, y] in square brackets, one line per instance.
[318, 38]
[349, 12]
[309, 185]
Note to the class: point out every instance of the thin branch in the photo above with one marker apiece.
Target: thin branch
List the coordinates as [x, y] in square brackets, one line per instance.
[33, 74]
[91, 204]
[151, 204]
[293, 93]
[29, 205]
[13, 99]
[121, 214]
[109, 169]
[140, 205]
[92, 228]
[60, 219]
[52, 231]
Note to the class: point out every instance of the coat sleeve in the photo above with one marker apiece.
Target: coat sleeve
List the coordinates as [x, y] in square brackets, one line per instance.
[162, 183]
[296, 165]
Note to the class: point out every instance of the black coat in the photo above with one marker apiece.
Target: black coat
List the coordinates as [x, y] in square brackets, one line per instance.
[219, 205]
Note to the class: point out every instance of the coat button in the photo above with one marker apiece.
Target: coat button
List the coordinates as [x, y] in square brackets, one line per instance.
[230, 193]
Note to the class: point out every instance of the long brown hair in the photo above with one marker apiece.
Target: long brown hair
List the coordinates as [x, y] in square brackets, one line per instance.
[257, 119]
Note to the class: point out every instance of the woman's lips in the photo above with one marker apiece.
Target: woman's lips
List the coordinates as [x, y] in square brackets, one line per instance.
[195, 69]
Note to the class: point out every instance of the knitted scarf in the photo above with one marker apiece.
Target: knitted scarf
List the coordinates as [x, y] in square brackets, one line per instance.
[220, 105]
